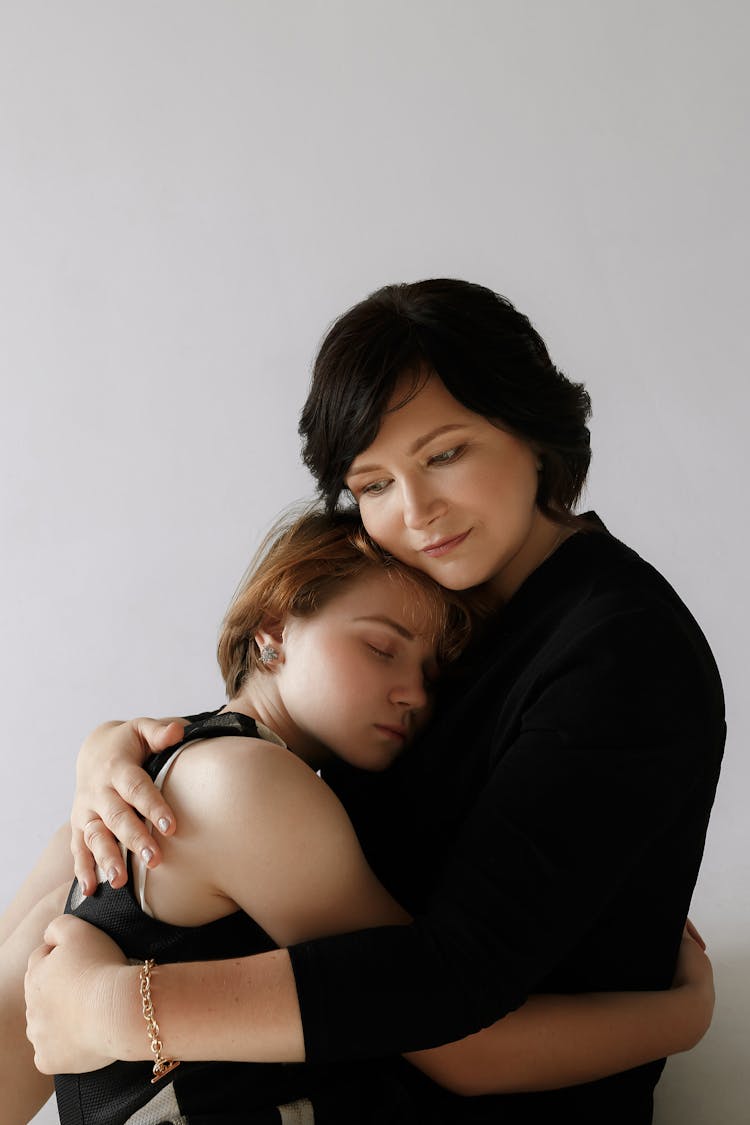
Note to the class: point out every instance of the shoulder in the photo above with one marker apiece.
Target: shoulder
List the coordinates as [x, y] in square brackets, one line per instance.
[225, 778]
[618, 651]
[608, 593]
[251, 816]
[268, 835]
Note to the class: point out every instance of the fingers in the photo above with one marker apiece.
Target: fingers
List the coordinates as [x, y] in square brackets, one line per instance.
[693, 933]
[159, 734]
[60, 928]
[102, 845]
[84, 866]
[96, 846]
[113, 794]
[134, 789]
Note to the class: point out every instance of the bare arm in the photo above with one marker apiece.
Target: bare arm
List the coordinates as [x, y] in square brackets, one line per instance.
[550, 1042]
[247, 1009]
[54, 866]
[40, 898]
[555, 1041]
[24, 1089]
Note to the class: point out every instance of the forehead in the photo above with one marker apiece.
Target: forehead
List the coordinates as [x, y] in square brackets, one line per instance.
[388, 595]
[411, 417]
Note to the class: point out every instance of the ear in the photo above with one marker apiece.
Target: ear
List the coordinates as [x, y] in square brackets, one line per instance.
[270, 641]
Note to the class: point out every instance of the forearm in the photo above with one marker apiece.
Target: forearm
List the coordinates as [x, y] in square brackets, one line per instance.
[555, 1041]
[240, 1010]
[24, 1089]
[54, 866]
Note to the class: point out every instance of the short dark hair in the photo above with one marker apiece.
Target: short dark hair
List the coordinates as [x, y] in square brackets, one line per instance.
[486, 353]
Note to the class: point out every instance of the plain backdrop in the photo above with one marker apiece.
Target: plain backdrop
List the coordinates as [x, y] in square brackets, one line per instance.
[190, 193]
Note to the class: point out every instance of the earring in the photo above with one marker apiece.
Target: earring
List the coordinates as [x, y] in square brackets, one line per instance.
[268, 654]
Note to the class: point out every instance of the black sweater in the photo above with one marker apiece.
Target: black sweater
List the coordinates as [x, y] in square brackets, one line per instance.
[546, 832]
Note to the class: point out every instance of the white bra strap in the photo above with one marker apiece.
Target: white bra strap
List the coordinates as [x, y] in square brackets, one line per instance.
[140, 871]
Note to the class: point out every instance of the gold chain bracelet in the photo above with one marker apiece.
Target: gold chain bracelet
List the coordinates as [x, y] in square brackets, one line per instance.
[162, 1066]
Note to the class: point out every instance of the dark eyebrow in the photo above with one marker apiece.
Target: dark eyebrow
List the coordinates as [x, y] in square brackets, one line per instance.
[381, 620]
[425, 439]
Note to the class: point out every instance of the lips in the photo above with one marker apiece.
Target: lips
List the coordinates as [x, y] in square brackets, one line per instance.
[395, 732]
[443, 546]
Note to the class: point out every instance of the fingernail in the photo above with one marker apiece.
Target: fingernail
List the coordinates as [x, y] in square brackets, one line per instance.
[84, 887]
[112, 874]
[146, 855]
[163, 824]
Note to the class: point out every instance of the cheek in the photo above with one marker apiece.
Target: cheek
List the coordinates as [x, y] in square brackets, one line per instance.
[515, 485]
[380, 524]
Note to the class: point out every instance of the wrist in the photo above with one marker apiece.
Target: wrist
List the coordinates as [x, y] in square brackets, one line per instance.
[125, 1031]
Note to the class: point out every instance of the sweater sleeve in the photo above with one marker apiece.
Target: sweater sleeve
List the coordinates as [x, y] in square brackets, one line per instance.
[618, 735]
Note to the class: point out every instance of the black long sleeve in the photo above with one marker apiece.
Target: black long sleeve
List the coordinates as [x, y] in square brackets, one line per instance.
[560, 802]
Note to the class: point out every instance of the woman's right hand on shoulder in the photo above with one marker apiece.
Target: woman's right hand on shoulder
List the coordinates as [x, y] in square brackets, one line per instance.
[111, 789]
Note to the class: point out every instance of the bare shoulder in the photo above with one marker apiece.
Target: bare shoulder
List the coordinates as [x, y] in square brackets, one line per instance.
[246, 797]
[226, 773]
[259, 830]
[233, 799]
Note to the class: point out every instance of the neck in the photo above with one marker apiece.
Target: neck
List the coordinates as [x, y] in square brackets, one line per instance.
[543, 540]
[259, 699]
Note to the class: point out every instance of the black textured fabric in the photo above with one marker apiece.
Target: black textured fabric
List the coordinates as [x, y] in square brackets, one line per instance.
[546, 831]
[207, 1092]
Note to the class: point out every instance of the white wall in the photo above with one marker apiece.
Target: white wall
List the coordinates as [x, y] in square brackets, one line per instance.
[190, 192]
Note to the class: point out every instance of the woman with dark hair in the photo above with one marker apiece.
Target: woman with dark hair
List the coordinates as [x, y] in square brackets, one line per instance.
[546, 831]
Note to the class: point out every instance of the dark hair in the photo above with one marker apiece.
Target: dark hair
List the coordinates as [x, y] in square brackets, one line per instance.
[306, 561]
[486, 353]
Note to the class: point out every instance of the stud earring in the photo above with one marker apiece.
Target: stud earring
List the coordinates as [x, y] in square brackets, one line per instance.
[268, 654]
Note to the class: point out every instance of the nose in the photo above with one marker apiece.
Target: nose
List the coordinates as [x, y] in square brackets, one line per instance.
[421, 504]
[410, 691]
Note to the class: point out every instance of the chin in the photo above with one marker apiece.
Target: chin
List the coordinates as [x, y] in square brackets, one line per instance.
[376, 762]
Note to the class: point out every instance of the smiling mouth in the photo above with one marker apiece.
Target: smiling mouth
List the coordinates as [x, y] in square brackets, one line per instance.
[443, 546]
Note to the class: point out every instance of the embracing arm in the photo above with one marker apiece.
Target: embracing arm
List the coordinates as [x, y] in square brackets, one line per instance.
[247, 1009]
[549, 1042]
[554, 1041]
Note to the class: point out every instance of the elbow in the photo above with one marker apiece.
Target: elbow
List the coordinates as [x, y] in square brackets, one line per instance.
[465, 1086]
[457, 1076]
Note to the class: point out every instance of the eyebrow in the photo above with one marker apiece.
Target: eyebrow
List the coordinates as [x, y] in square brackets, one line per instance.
[425, 439]
[382, 620]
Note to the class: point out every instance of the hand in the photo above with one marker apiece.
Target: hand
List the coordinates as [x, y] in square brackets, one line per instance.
[72, 997]
[690, 931]
[694, 975]
[110, 785]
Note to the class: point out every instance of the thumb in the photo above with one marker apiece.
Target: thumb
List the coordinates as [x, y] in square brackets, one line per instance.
[37, 955]
[159, 734]
[58, 929]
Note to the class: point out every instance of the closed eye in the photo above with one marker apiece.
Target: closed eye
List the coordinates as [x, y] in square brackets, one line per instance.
[380, 652]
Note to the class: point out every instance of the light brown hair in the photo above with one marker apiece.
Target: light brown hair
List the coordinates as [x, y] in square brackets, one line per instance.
[301, 565]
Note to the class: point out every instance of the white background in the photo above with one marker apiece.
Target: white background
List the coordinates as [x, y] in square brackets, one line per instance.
[190, 193]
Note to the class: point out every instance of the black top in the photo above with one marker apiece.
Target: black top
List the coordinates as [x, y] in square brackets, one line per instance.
[198, 1093]
[546, 832]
